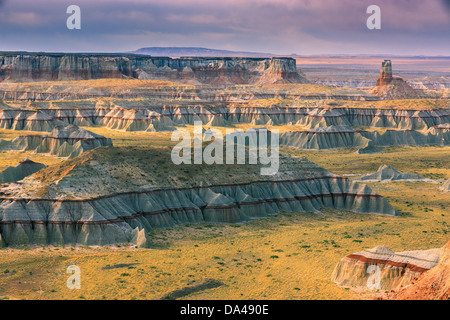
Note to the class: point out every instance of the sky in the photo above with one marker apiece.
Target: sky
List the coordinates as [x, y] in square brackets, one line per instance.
[304, 27]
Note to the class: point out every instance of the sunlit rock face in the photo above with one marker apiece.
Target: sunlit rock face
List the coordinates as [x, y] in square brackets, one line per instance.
[16, 67]
[385, 77]
[433, 284]
[393, 269]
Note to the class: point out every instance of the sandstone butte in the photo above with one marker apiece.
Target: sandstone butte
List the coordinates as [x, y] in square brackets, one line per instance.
[385, 77]
[389, 87]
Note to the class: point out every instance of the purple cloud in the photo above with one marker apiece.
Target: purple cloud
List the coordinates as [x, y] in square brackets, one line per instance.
[277, 26]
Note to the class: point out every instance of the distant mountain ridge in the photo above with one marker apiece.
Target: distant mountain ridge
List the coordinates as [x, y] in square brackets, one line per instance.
[197, 52]
[176, 52]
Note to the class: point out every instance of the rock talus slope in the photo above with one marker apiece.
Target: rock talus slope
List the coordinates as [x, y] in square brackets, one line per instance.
[387, 173]
[446, 186]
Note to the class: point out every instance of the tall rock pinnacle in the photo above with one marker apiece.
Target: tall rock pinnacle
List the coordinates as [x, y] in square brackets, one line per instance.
[391, 88]
[385, 74]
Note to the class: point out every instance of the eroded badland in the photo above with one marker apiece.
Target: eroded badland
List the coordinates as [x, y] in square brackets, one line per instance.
[87, 179]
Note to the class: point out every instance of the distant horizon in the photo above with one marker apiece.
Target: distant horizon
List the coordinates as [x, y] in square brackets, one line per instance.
[132, 52]
[281, 27]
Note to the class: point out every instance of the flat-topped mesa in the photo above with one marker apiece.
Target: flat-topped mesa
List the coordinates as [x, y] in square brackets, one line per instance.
[22, 67]
[385, 74]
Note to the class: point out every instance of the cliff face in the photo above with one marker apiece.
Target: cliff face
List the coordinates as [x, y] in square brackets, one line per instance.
[326, 128]
[145, 115]
[16, 67]
[344, 137]
[109, 195]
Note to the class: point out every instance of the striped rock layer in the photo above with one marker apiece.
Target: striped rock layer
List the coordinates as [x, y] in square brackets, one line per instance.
[433, 284]
[163, 117]
[22, 67]
[64, 141]
[395, 268]
[125, 218]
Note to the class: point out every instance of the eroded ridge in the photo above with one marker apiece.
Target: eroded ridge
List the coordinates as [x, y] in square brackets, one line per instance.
[78, 204]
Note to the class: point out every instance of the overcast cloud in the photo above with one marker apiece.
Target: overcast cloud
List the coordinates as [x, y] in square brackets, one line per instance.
[410, 27]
